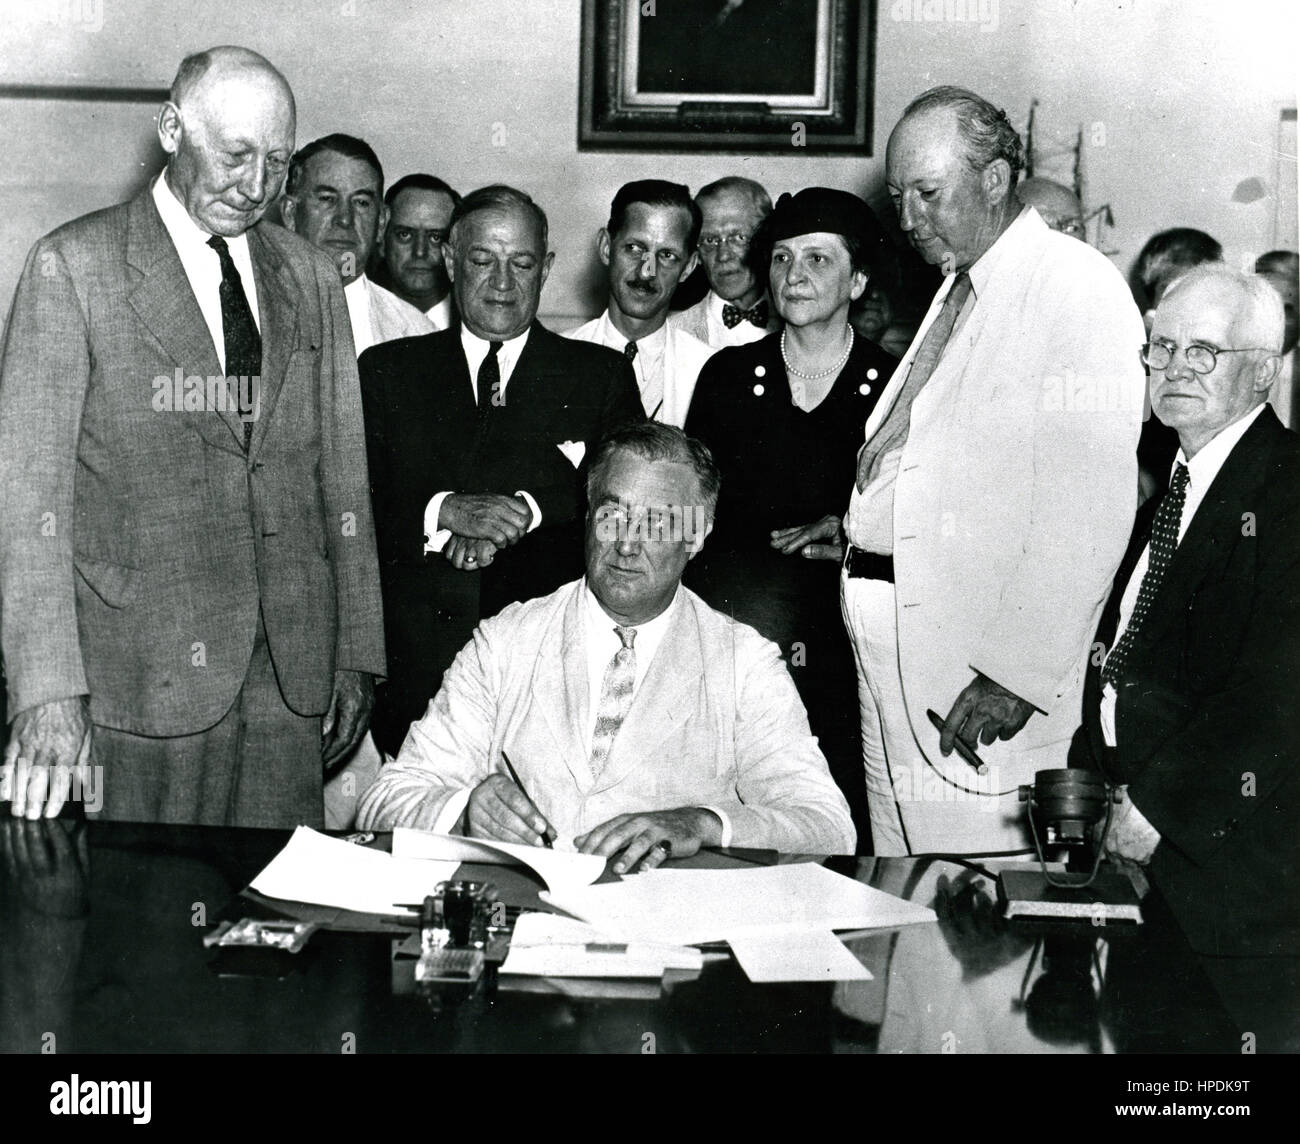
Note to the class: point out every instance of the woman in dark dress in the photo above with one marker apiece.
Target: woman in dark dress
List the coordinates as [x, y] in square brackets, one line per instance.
[784, 419]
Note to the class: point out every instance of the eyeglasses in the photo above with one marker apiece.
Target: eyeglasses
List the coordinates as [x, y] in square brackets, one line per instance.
[1072, 226]
[1201, 358]
[736, 241]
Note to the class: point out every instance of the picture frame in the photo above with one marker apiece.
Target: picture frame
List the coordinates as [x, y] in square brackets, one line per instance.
[727, 75]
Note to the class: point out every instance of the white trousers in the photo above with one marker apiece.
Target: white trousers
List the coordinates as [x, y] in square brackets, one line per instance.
[913, 811]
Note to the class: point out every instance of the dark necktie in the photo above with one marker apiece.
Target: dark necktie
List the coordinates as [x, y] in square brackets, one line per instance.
[615, 700]
[243, 342]
[1164, 540]
[891, 433]
[732, 316]
[629, 351]
[489, 380]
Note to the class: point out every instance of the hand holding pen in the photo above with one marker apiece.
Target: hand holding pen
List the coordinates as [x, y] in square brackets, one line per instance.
[500, 808]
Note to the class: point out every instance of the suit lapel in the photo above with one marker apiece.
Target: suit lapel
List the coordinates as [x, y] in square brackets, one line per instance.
[1214, 530]
[165, 303]
[277, 304]
[663, 702]
[561, 690]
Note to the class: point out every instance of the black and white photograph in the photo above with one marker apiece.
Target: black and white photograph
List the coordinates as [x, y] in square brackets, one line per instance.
[649, 527]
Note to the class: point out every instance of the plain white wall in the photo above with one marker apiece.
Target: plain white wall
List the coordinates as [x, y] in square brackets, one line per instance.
[1180, 100]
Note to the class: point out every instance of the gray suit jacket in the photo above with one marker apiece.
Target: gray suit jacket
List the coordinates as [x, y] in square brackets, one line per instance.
[138, 541]
[715, 722]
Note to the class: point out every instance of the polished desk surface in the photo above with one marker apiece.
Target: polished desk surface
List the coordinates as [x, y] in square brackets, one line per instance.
[101, 928]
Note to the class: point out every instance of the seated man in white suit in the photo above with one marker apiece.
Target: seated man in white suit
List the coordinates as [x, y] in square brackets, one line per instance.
[649, 246]
[640, 722]
[334, 198]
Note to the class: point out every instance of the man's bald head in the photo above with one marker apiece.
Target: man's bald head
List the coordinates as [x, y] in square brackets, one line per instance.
[1057, 204]
[228, 129]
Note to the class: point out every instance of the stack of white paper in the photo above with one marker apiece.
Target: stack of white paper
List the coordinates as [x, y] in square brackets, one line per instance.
[778, 919]
[329, 872]
[547, 945]
[560, 870]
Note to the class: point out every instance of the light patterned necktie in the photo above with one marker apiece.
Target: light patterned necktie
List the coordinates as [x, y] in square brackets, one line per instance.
[1164, 540]
[892, 431]
[615, 700]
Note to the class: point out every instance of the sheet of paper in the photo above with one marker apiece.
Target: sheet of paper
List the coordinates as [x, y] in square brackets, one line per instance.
[806, 955]
[546, 945]
[560, 870]
[685, 907]
[329, 872]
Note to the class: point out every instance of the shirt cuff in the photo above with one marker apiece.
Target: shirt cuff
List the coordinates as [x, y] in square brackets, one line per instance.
[451, 811]
[435, 538]
[532, 504]
[726, 824]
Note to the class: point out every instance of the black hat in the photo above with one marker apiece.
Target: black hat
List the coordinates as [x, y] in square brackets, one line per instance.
[822, 209]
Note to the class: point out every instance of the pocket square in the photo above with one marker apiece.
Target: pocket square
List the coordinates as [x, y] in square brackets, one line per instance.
[574, 451]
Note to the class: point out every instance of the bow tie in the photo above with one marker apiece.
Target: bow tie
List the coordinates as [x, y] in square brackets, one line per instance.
[732, 316]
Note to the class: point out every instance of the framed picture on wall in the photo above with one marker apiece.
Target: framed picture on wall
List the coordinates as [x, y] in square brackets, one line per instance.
[726, 75]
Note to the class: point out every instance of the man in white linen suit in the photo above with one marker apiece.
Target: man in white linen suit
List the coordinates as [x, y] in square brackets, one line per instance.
[640, 721]
[994, 495]
[649, 246]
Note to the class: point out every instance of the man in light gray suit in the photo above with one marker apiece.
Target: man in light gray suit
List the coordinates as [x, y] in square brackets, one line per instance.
[638, 721]
[189, 589]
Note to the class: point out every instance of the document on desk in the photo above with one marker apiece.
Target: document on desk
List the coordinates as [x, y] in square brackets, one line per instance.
[687, 907]
[546, 945]
[329, 872]
[561, 870]
[804, 955]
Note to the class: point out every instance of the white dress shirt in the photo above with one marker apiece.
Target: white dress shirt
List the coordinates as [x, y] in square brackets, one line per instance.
[357, 295]
[869, 524]
[648, 365]
[440, 313]
[603, 644]
[476, 351]
[1201, 471]
[202, 264]
[741, 334]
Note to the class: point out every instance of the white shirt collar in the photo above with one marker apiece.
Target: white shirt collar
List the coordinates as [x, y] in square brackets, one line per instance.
[652, 345]
[182, 228]
[357, 295]
[440, 313]
[1205, 466]
[476, 349]
[602, 641]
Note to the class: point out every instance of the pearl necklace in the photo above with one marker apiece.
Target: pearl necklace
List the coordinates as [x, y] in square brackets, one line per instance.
[835, 369]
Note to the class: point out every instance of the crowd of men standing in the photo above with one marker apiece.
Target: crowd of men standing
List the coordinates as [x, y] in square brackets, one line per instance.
[419, 482]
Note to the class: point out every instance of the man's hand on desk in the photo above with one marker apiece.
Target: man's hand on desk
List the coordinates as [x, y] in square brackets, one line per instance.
[499, 809]
[486, 516]
[349, 714]
[638, 835]
[1131, 836]
[984, 711]
[46, 742]
[467, 554]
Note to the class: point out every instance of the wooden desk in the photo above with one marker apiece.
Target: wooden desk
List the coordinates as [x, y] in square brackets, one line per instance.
[101, 930]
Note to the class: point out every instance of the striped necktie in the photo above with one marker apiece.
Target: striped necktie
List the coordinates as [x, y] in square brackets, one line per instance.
[892, 431]
[615, 700]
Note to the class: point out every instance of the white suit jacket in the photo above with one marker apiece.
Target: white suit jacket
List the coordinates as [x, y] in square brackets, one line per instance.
[390, 317]
[684, 357]
[1017, 485]
[716, 722]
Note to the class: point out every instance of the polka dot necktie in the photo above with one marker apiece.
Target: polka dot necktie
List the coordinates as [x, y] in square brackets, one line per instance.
[615, 700]
[629, 351]
[1164, 540]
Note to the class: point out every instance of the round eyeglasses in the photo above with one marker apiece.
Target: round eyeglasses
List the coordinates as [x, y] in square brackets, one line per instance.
[712, 242]
[1201, 358]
